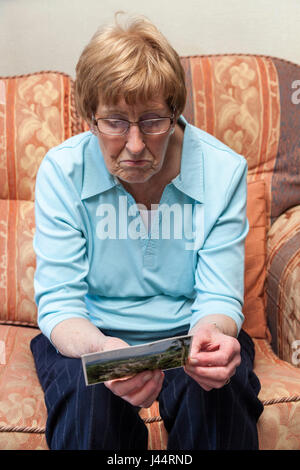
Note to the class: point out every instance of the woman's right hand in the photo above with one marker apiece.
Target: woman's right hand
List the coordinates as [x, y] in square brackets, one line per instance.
[76, 336]
[139, 390]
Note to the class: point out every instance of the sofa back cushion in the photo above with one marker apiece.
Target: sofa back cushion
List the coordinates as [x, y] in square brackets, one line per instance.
[249, 103]
[36, 113]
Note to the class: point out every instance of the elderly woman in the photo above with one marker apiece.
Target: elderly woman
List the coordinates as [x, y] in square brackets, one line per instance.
[111, 273]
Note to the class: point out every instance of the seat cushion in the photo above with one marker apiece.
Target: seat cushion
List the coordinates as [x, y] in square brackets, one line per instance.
[22, 408]
[279, 424]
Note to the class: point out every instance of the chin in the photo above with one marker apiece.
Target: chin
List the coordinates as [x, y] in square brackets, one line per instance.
[134, 178]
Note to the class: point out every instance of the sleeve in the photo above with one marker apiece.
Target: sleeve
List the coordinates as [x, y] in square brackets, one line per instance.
[219, 278]
[60, 248]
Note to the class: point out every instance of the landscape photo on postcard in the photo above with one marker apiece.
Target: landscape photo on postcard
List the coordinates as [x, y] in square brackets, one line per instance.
[163, 354]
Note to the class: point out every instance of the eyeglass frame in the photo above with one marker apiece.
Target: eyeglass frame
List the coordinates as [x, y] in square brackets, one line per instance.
[132, 123]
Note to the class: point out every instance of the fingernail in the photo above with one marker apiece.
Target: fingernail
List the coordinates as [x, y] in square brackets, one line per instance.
[192, 361]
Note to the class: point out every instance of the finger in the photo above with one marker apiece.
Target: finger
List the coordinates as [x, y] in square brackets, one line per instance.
[227, 353]
[147, 403]
[129, 385]
[220, 359]
[145, 396]
[208, 383]
[149, 392]
[217, 374]
[203, 343]
[214, 375]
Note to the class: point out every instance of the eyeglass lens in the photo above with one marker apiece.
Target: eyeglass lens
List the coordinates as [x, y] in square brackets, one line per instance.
[121, 126]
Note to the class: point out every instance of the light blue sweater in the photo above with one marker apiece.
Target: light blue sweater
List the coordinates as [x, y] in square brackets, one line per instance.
[96, 260]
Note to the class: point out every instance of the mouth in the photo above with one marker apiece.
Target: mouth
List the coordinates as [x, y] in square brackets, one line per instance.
[134, 163]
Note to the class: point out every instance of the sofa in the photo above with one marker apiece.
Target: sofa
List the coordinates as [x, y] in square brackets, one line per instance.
[247, 102]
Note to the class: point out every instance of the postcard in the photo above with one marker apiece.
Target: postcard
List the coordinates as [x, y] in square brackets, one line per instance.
[163, 354]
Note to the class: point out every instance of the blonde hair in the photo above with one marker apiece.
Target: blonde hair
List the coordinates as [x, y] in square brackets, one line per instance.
[134, 62]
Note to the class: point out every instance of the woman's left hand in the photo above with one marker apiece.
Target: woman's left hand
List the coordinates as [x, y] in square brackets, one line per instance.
[214, 357]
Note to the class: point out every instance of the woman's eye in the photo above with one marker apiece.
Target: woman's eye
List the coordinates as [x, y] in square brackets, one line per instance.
[116, 124]
[149, 122]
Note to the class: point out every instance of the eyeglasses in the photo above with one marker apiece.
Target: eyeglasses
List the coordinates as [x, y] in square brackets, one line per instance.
[120, 127]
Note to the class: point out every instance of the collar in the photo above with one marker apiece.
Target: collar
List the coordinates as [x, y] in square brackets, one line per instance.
[189, 181]
[96, 177]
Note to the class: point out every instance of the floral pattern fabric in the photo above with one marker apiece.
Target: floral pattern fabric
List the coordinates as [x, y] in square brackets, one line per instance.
[17, 262]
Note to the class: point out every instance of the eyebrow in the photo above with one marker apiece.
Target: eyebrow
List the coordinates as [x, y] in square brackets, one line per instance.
[122, 111]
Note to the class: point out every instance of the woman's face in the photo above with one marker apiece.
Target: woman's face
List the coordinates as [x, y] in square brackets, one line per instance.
[134, 157]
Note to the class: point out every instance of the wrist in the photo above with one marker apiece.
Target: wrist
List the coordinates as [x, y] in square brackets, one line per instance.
[76, 336]
[222, 323]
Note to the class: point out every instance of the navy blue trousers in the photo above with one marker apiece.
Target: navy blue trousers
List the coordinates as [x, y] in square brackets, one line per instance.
[82, 418]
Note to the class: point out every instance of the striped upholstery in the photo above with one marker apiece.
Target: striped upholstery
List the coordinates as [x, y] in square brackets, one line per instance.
[243, 100]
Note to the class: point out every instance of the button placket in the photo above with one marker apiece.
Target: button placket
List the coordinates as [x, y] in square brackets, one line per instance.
[134, 213]
[151, 251]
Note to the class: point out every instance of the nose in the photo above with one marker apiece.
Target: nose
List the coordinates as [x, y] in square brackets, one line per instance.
[134, 140]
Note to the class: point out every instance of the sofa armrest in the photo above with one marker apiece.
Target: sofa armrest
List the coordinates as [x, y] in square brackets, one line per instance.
[283, 285]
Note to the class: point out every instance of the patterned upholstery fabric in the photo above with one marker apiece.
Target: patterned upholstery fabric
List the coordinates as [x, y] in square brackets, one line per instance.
[283, 282]
[18, 262]
[22, 408]
[279, 424]
[36, 113]
[243, 100]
